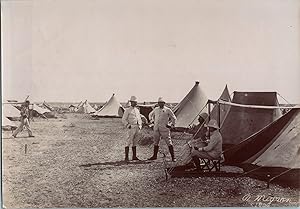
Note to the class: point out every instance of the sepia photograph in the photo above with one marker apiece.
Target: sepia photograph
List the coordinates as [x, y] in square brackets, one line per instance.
[150, 103]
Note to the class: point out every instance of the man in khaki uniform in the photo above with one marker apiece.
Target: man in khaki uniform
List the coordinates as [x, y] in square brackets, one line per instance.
[24, 120]
[133, 122]
[161, 116]
[213, 150]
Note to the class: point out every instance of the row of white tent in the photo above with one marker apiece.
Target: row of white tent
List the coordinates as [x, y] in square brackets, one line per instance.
[186, 110]
[112, 108]
[190, 106]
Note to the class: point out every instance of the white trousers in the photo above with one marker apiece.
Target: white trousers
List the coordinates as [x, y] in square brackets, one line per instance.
[133, 135]
[24, 122]
[164, 134]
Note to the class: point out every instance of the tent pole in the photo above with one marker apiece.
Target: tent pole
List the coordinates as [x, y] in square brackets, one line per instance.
[209, 116]
[219, 114]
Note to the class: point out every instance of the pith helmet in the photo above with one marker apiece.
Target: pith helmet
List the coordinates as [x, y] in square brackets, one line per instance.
[133, 99]
[213, 124]
[160, 99]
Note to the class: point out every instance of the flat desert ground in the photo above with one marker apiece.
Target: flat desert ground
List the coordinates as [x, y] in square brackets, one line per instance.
[75, 161]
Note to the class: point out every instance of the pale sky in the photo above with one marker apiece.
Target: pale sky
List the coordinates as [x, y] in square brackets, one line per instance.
[72, 50]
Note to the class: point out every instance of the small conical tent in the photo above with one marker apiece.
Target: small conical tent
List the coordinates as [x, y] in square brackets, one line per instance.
[112, 108]
[280, 156]
[220, 111]
[86, 108]
[190, 106]
[95, 107]
[242, 122]
[10, 112]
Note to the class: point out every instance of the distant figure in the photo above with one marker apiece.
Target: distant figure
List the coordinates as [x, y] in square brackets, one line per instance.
[213, 150]
[24, 120]
[133, 122]
[161, 116]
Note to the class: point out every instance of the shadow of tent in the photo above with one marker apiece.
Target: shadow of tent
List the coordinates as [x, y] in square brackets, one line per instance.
[117, 163]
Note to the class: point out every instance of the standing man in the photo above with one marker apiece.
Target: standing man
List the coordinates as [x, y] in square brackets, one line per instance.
[133, 122]
[161, 116]
[24, 120]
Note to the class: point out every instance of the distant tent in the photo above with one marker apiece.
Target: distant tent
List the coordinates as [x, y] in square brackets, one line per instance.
[11, 112]
[241, 122]
[46, 105]
[8, 124]
[95, 107]
[72, 108]
[112, 108]
[39, 110]
[280, 155]
[86, 108]
[190, 106]
[79, 105]
[146, 109]
[224, 109]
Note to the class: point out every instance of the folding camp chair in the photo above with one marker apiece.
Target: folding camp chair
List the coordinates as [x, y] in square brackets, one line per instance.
[209, 165]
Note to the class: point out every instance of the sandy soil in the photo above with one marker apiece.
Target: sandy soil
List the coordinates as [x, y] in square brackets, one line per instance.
[78, 162]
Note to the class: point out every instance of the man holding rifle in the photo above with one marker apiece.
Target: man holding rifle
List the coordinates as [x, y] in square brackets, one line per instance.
[24, 120]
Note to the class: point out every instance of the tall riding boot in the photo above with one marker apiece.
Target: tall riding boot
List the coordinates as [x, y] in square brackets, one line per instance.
[171, 149]
[134, 153]
[126, 153]
[197, 163]
[154, 157]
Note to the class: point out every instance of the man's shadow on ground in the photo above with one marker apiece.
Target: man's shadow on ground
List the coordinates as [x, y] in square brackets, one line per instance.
[117, 163]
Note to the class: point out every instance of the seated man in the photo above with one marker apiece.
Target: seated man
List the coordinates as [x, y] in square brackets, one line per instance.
[198, 140]
[213, 150]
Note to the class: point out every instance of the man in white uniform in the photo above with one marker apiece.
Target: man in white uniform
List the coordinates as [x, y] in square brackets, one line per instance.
[133, 122]
[161, 116]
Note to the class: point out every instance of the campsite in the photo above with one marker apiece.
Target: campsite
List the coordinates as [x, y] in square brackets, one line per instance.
[77, 160]
[145, 104]
[64, 169]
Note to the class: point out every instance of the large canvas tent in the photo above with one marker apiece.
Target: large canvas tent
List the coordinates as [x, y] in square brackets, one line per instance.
[85, 107]
[242, 122]
[190, 106]
[279, 156]
[112, 108]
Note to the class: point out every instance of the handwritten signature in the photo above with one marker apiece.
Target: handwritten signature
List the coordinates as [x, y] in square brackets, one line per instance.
[264, 200]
